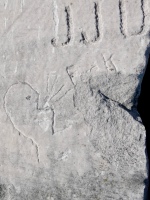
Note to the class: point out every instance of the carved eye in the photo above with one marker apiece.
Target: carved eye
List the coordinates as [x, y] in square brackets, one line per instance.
[28, 97]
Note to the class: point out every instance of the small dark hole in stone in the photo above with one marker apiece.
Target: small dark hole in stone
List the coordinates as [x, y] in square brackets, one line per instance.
[28, 97]
[144, 110]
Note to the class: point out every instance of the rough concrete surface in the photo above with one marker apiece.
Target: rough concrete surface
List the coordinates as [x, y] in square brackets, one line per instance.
[70, 78]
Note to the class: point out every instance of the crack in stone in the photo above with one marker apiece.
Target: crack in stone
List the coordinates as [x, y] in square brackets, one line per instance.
[132, 112]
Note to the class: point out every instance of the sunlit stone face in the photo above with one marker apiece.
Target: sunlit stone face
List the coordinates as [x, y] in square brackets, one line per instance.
[70, 78]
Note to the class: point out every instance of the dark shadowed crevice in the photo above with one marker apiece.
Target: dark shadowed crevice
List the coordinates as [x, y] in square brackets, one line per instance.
[144, 111]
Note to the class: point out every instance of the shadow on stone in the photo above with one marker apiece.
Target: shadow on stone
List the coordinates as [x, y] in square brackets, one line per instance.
[144, 110]
[3, 191]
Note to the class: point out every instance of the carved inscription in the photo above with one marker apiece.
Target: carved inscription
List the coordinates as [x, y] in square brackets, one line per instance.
[68, 26]
[109, 64]
[21, 104]
[128, 24]
[84, 38]
[122, 13]
[96, 9]
[132, 20]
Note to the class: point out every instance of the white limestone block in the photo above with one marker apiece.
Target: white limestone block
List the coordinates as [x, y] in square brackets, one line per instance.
[71, 73]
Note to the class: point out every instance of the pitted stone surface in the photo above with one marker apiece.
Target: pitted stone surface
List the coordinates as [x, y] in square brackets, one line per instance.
[70, 79]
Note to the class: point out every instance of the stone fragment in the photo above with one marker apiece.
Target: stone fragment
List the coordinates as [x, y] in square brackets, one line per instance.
[71, 73]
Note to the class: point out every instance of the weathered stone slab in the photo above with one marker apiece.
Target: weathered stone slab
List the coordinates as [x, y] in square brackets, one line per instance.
[70, 79]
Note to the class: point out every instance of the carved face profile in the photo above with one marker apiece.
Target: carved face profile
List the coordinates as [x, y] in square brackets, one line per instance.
[21, 105]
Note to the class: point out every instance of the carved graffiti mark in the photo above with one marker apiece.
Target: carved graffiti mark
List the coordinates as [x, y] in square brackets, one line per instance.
[53, 121]
[122, 17]
[96, 9]
[14, 125]
[56, 21]
[64, 94]
[55, 89]
[68, 25]
[33, 143]
[70, 74]
[21, 106]
[68, 22]
[57, 92]
[54, 82]
[84, 38]
[143, 17]
[124, 25]
[109, 64]
[47, 87]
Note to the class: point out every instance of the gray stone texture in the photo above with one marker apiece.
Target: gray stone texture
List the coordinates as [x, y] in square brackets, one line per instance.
[70, 78]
